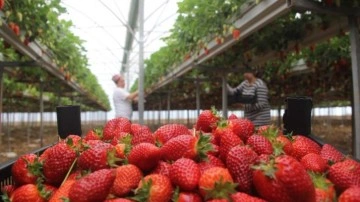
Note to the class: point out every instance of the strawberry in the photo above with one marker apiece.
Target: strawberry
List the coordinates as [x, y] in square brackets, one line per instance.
[285, 145]
[93, 134]
[345, 174]
[135, 127]
[7, 190]
[215, 150]
[218, 200]
[145, 156]
[185, 173]
[228, 140]
[186, 146]
[207, 120]
[324, 189]
[15, 28]
[219, 40]
[314, 162]
[127, 178]
[100, 156]
[210, 162]
[122, 137]
[169, 131]
[351, 194]
[330, 154]
[63, 191]
[2, 4]
[243, 197]
[216, 183]
[93, 187]
[118, 200]
[243, 128]
[187, 197]
[236, 34]
[260, 144]
[31, 192]
[232, 116]
[239, 162]
[115, 126]
[154, 188]
[141, 136]
[283, 179]
[57, 163]
[26, 169]
[162, 168]
[303, 145]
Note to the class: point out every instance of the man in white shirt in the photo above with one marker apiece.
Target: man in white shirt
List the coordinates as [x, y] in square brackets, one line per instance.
[122, 98]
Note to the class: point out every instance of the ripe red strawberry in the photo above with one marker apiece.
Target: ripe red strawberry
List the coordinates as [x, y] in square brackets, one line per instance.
[243, 197]
[243, 128]
[330, 154]
[93, 187]
[100, 156]
[93, 134]
[351, 194]
[324, 189]
[345, 174]
[285, 145]
[57, 163]
[63, 191]
[26, 169]
[239, 162]
[314, 162]
[218, 200]
[185, 173]
[154, 188]
[145, 156]
[15, 28]
[186, 146]
[118, 200]
[303, 145]
[210, 162]
[115, 126]
[236, 34]
[135, 127]
[31, 192]
[127, 178]
[162, 168]
[7, 190]
[215, 150]
[2, 4]
[169, 131]
[141, 136]
[232, 116]
[283, 179]
[206, 121]
[228, 140]
[260, 144]
[216, 183]
[187, 197]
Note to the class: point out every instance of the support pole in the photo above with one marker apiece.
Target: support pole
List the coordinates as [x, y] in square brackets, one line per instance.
[224, 97]
[279, 116]
[41, 114]
[197, 83]
[168, 107]
[1, 98]
[141, 62]
[355, 61]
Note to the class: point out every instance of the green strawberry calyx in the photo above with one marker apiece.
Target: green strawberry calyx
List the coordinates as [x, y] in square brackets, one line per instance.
[142, 193]
[176, 194]
[221, 190]
[203, 146]
[320, 181]
[267, 168]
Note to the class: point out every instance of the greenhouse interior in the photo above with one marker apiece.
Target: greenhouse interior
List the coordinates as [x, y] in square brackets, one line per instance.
[179, 100]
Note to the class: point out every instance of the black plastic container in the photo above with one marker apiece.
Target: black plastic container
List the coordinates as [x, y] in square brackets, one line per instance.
[68, 120]
[297, 116]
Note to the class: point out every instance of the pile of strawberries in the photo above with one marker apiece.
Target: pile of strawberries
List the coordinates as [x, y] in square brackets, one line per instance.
[218, 160]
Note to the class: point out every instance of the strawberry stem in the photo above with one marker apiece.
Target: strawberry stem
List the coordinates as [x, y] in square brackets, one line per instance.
[69, 171]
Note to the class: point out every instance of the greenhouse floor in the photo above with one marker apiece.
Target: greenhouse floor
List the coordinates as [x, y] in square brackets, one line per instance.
[333, 130]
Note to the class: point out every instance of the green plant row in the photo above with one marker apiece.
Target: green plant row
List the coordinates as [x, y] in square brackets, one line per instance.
[40, 20]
